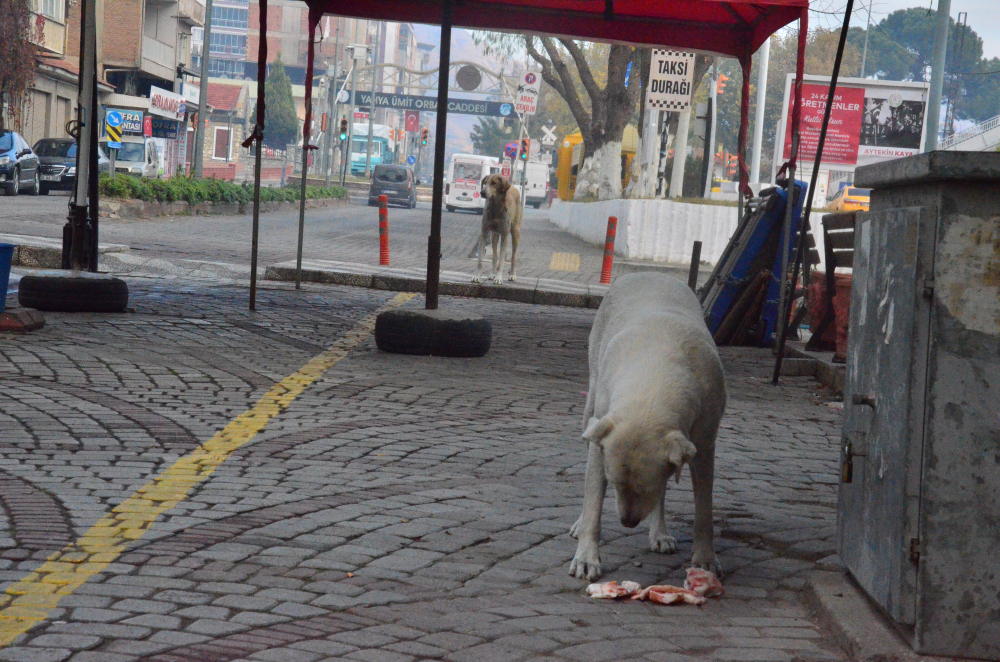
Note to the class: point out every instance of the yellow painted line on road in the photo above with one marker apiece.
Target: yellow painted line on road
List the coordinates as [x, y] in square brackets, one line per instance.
[565, 262]
[31, 600]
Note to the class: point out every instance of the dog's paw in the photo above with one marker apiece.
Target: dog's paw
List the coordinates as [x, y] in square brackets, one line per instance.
[707, 561]
[513, 278]
[585, 566]
[477, 279]
[497, 280]
[574, 531]
[662, 543]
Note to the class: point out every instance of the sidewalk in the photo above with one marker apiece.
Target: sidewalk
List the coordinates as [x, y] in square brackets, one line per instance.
[398, 508]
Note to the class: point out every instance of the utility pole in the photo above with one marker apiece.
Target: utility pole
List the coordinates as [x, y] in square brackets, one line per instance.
[199, 135]
[358, 52]
[864, 53]
[938, 59]
[758, 121]
[710, 132]
[371, 106]
[680, 154]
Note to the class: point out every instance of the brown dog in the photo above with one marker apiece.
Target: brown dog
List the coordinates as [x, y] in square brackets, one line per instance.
[501, 216]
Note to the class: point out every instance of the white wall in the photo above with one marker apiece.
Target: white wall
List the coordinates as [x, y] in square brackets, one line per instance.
[658, 230]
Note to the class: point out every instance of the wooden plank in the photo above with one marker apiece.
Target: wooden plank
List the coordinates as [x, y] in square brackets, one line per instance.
[840, 240]
[843, 258]
[839, 221]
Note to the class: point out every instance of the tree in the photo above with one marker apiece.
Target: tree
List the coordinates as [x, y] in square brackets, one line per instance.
[282, 123]
[17, 61]
[489, 137]
[602, 114]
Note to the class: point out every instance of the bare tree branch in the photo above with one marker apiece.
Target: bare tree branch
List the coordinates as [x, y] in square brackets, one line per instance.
[548, 75]
[583, 67]
[583, 118]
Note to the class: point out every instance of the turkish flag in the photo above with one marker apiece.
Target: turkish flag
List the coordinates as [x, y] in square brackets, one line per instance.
[412, 120]
[147, 126]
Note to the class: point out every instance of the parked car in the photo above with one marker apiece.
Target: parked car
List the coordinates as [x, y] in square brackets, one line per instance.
[850, 198]
[18, 165]
[137, 156]
[57, 163]
[395, 181]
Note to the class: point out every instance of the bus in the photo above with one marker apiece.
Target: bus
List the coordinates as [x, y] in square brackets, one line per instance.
[382, 147]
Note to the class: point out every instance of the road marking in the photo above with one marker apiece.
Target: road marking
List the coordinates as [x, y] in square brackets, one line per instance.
[565, 262]
[31, 600]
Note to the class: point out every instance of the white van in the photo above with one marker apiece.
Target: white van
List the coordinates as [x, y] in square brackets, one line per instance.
[137, 156]
[537, 184]
[464, 179]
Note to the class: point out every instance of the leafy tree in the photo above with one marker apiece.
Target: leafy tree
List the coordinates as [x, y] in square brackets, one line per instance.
[489, 137]
[282, 123]
[17, 61]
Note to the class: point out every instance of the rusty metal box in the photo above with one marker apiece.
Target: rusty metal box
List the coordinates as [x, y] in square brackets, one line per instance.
[919, 504]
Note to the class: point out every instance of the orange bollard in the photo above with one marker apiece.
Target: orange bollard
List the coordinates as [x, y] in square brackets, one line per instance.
[609, 250]
[383, 230]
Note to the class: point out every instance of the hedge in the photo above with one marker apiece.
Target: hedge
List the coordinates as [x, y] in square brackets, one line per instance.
[176, 189]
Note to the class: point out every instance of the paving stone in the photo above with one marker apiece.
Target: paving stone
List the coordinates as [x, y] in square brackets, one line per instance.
[34, 654]
[74, 642]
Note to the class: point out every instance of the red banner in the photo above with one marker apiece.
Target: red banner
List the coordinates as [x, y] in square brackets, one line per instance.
[844, 133]
[412, 120]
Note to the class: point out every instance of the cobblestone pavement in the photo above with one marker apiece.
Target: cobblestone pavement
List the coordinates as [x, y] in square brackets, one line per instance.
[401, 508]
[347, 233]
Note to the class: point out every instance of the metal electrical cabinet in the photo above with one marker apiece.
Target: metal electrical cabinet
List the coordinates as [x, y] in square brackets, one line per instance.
[919, 506]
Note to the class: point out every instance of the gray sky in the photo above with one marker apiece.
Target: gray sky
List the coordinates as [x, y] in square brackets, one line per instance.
[984, 16]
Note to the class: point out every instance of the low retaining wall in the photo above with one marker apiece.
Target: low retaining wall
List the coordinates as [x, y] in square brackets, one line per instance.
[112, 208]
[659, 230]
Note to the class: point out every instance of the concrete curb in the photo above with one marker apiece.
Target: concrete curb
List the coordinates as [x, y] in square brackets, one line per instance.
[822, 366]
[401, 283]
[44, 252]
[137, 209]
[857, 626]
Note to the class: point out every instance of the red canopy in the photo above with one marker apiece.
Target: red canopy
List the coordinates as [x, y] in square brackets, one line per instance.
[729, 27]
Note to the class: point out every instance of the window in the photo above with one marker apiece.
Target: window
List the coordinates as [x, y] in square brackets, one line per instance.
[51, 8]
[220, 68]
[230, 44]
[222, 143]
[230, 17]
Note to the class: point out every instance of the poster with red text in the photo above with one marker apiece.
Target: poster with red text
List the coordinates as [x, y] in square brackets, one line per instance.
[843, 136]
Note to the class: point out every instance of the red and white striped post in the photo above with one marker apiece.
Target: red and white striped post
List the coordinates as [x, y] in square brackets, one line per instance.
[383, 230]
[609, 250]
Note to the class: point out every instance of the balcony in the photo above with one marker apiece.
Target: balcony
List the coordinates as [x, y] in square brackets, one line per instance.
[53, 34]
[191, 13]
[158, 58]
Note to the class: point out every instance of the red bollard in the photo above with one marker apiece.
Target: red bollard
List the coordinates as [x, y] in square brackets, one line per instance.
[383, 230]
[609, 250]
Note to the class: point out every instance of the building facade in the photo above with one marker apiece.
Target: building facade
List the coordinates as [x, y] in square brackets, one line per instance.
[228, 50]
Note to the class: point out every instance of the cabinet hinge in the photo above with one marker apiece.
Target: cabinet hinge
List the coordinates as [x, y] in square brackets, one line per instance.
[915, 551]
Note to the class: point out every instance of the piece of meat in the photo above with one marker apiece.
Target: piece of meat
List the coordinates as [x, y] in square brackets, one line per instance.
[612, 590]
[667, 594]
[704, 583]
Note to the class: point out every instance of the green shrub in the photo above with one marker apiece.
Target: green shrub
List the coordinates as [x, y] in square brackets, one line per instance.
[187, 189]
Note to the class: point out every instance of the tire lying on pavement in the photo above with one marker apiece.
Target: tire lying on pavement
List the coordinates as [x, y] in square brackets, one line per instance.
[433, 332]
[73, 292]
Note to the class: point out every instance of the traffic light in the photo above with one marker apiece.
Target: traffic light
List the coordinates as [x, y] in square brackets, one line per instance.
[423, 136]
[525, 145]
[343, 128]
[722, 84]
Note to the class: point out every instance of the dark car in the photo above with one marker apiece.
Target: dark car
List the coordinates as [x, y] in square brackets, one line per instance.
[396, 182]
[18, 165]
[57, 163]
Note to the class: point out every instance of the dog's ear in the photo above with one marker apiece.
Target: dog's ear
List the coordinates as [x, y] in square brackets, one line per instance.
[485, 179]
[598, 429]
[504, 185]
[679, 452]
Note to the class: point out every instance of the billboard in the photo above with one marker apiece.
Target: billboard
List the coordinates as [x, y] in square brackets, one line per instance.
[871, 121]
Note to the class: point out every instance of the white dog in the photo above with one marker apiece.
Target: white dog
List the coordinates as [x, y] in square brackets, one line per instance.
[501, 217]
[657, 393]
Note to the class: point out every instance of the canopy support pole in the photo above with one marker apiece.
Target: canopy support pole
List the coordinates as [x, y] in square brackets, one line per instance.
[802, 246]
[314, 17]
[256, 138]
[441, 129]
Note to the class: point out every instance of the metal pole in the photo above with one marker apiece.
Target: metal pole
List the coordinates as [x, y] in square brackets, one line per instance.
[524, 167]
[87, 115]
[710, 132]
[371, 134]
[864, 53]
[804, 225]
[441, 128]
[350, 116]
[306, 135]
[758, 120]
[199, 134]
[938, 58]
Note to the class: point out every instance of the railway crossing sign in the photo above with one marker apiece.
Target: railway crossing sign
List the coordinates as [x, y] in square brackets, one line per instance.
[549, 138]
[113, 129]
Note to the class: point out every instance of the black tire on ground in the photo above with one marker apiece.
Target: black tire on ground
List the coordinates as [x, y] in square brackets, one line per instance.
[37, 186]
[14, 186]
[433, 332]
[81, 293]
[538, 205]
[44, 190]
[449, 208]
